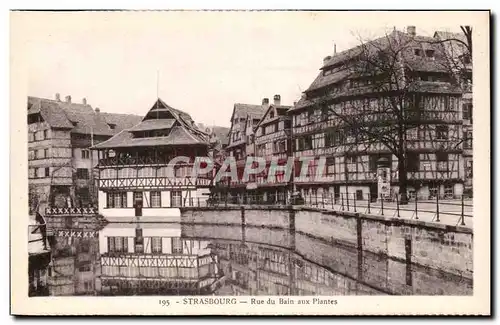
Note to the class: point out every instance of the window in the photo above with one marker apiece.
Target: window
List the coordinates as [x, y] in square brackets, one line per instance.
[47, 171]
[46, 153]
[330, 165]
[31, 173]
[442, 161]
[441, 132]
[87, 285]
[85, 154]
[468, 140]
[155, 199]
[333, 138]
[351, 159]
[468, 169]
[429, 53]
[417, 52]
[156, 246]
[82, 173]
[467, 111]
[84, 268]
[359, 195]
[282, 146]
[137, 196]
[117, 244]
[318, 140]
[117, 200]
[433, 191]
[31, 137]
[35, 154]
[448, 191]
[36, 171]
[45, 134]
[413, 162]
[176, 198]
[176, 245]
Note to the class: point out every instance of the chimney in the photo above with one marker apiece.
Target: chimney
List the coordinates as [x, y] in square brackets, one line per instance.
[326, 59]
[58, 97]
[277, 100]
[411, 30]
[265, 102]
[97, 110]
[334, 48]
[84, 101]
[68, 99]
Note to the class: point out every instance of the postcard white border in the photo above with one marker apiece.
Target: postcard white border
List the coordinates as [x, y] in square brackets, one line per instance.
[477, 304]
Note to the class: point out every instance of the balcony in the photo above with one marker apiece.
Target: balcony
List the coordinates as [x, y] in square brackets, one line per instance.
[55, 211]
[126, 161]
[156, 182]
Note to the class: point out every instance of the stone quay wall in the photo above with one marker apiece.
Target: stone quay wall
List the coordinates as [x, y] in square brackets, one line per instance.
[441, 247]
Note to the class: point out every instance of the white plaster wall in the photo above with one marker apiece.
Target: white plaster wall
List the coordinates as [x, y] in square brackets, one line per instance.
[165, 198]
[166, 245]
[101, 201]
[130, 200]
[160, 212]
[120, 212]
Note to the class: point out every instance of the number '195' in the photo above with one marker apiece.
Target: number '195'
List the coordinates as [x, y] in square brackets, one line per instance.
[164, 302]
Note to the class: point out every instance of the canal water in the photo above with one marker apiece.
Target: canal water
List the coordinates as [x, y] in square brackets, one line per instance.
[182, 259]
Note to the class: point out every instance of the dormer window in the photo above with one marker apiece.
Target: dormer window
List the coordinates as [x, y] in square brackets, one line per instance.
[418, 52]
[112, 126]
[429, 53]
[74, 123]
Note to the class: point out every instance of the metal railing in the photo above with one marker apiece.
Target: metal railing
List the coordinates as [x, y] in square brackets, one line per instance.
[449, 209]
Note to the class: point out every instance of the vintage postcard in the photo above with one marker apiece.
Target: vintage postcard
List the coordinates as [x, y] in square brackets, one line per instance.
[250, 163]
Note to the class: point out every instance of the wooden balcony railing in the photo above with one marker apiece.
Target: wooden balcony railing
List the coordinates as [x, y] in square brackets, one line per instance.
[124, 161]
[57, 211]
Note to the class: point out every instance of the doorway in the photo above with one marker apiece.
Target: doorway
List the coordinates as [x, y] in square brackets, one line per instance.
[138, 203]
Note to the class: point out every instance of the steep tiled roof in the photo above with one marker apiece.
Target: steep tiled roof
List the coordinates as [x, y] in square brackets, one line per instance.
[396, 40]
[280, 110]
[80, 118]
[161, 116]
[178, 136]
[244, 110]
[121, 121]
[153, 125]
[222, 134]
[51, 112]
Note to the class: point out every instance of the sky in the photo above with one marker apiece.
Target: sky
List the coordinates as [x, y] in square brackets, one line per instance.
[198, 62]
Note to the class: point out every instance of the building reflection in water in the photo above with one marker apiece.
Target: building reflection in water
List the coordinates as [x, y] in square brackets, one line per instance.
[170, 259]
[153, 259]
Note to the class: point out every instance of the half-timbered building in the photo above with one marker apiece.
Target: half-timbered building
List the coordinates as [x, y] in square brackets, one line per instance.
[432, 122]
[272, 142]
[243, 121]
[460, 62]
[137, 173]
[60, 164]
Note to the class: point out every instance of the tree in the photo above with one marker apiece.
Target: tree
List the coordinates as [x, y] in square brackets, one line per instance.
[390, 105]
